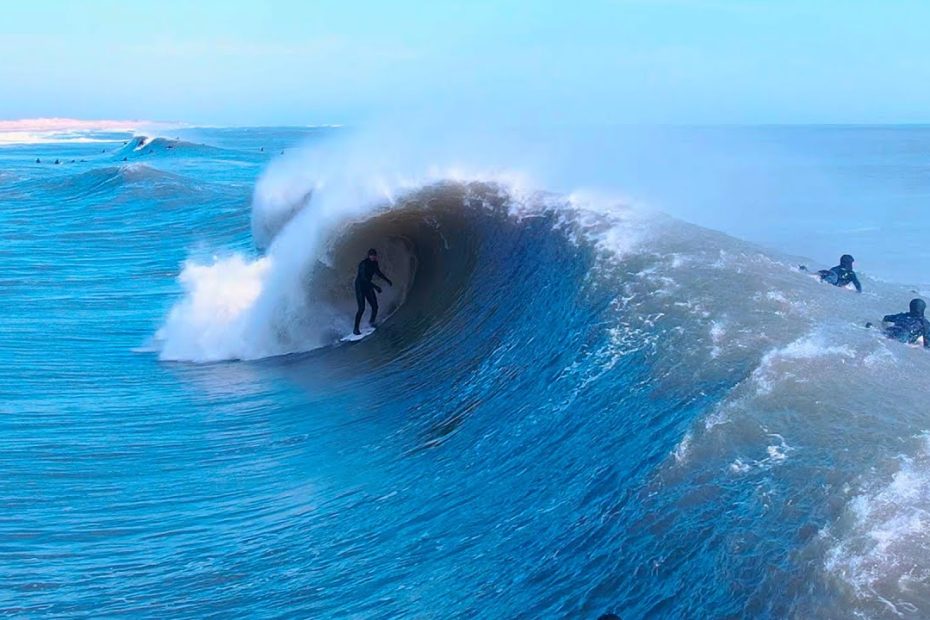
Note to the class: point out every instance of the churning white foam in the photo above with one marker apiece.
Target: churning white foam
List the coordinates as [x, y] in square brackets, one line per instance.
[242, 307]
[216, 298]
[883, 552]
[781, 363]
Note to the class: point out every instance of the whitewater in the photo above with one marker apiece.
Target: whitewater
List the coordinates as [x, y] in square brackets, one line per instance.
[625, 399]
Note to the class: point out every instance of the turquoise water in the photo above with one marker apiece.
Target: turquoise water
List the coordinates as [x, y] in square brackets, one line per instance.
[570, 406]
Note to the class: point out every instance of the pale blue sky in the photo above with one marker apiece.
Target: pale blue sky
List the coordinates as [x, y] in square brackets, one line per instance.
[283, 62]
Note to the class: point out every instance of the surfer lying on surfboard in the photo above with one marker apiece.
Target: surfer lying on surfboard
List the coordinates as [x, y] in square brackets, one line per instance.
[365, 288]
[910, 326]
[841, 275]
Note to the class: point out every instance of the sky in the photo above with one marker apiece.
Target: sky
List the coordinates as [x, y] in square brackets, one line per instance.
[589, 62]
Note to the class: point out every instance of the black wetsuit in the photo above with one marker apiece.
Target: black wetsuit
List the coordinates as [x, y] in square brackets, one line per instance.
[840, 276]
[908, 327]
[364, 289]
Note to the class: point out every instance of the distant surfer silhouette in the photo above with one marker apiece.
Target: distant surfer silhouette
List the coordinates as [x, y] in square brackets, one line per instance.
[365, 288]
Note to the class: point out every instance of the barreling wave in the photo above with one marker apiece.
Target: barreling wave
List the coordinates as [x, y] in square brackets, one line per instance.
[299, 296]
[572, 405]
[728, 373]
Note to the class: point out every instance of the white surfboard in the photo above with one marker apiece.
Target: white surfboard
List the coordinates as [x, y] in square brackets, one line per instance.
[366, 331]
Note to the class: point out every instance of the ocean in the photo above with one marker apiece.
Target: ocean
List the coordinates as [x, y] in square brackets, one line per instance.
[578, 400]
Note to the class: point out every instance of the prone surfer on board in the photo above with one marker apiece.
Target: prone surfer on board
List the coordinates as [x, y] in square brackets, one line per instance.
[908, 327]
[365, 288]
[841, 275]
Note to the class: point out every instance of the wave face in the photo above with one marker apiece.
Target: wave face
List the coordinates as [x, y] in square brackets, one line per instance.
[300, 295]
[571, 406]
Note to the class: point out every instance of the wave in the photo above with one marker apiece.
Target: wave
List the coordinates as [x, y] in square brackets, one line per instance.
[160, 147]
[292, 301]
[297, 295]
[110, 179]
[730, 374]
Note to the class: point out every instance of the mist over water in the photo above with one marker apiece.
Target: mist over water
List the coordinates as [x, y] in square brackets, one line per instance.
[574, 403]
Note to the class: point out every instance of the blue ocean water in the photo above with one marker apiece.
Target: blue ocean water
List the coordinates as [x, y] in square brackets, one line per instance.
[571, 405]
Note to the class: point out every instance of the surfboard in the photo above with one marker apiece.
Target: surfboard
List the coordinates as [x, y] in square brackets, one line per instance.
[366, 331]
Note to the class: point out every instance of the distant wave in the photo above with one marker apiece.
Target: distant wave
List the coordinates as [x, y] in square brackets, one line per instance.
[76, 187]
[140, 147]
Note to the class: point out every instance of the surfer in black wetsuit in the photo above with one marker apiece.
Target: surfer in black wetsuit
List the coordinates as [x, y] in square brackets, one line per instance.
[365, 288]
[909, 326]
[841, 275]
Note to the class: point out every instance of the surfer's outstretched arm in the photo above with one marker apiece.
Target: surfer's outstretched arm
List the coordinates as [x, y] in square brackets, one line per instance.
[855, 281]
[382, 276]
[926, 334]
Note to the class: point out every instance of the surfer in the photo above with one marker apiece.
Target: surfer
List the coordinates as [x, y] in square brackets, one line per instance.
[841, 275]
[365, 288]
[908, 327]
